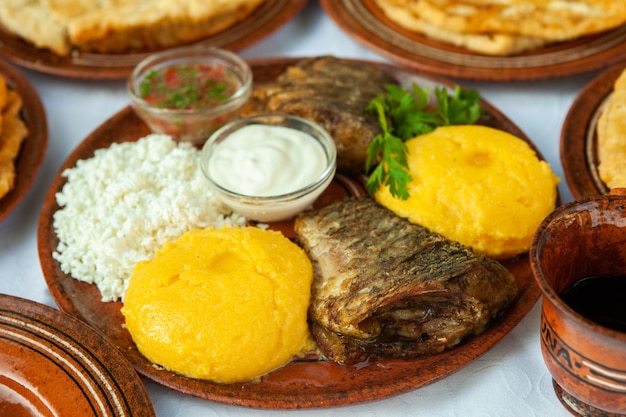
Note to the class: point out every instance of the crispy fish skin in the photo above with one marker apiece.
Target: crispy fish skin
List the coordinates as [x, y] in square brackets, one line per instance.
[385, 287]
[334, 93]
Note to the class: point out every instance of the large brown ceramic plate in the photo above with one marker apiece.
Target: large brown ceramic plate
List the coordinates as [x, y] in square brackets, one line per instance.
[578, 135]
[268, 18]
[52, 364]
[366, 23]
[34, 147]
[301, 384]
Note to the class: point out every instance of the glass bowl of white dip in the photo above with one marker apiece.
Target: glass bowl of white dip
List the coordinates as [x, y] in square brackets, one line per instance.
[269, 167]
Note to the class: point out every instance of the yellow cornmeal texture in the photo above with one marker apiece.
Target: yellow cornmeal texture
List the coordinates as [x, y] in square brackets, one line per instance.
[477, 185]
[225, 305]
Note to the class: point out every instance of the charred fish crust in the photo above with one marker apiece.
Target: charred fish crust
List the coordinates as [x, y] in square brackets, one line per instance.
[333, 92]
[386, 287]
[374, 289]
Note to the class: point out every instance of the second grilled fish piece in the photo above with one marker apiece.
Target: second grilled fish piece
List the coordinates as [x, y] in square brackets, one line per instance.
[385, 287]
[334, 93]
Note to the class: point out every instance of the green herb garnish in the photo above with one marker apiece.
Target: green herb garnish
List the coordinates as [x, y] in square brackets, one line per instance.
[188, 86]
[404, 114]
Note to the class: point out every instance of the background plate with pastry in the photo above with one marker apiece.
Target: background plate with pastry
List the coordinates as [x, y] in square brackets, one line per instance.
[437, 36]
[305, 383]
[580, 141]
[23, 140]
[106, 43]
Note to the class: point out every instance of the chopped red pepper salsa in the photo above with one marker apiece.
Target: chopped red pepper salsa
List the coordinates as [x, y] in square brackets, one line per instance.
[188, 86]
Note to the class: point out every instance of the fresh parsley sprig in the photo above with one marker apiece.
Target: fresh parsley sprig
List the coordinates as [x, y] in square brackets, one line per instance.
[404, 114]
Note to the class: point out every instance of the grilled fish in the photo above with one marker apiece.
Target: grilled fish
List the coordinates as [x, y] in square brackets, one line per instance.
[334, 93]
[385, 287]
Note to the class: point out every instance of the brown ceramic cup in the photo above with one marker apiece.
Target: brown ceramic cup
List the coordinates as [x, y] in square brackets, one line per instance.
[587, 361]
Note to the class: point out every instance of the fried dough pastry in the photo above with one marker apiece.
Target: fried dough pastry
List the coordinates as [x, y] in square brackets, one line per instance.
[611, 137]
[491, 44]
[501, 27]
[4, 93]
[30, 20]
[13, 131]
[113, 26]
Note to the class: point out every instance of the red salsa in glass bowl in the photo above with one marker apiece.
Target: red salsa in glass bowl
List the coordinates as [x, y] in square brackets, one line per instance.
[188, 93]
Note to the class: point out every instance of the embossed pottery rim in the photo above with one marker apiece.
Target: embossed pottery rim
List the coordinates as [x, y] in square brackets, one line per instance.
[558, 353]
[300, 384]
[41, 338]
[366, 23]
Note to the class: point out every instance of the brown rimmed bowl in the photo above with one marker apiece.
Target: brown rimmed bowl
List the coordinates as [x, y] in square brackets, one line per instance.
[587, 361]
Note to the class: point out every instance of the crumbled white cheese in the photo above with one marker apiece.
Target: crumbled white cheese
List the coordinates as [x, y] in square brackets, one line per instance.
[120, 206]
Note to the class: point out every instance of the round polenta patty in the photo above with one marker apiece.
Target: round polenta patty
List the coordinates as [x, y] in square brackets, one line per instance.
[477, 185]
[225, 305]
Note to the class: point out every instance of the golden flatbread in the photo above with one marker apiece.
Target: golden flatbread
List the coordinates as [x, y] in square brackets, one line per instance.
[13, 128]
[554, 20]
[611, 137]
[110, 26]
[491, 44]
[7, 177]
[30, 20]
[13, 131]
[4, 97]
[505, 26]
[3, 92]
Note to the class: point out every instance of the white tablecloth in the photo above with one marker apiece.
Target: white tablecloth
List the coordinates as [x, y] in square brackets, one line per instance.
[510, 380]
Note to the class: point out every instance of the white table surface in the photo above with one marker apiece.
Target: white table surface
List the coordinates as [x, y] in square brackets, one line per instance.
[510, 380]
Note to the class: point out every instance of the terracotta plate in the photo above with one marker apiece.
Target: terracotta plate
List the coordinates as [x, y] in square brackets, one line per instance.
[578, 135]
[301, 384]
[365, 22]
[269, 17]
[34, 147]
[52, 364]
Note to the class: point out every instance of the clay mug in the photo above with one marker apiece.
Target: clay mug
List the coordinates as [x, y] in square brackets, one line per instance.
[587, 361]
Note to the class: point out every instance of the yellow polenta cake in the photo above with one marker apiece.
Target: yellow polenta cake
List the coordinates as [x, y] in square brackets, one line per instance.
[480, 186]
[225, 305]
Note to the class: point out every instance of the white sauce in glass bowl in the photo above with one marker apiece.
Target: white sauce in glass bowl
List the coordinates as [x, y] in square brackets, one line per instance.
[263, 160]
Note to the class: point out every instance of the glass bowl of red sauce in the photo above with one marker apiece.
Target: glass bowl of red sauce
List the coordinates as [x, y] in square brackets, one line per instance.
[190, 92]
